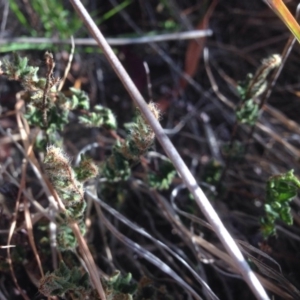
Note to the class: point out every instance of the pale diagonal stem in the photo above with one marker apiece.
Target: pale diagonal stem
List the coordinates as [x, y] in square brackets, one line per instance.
[284, 14]
[174, 156]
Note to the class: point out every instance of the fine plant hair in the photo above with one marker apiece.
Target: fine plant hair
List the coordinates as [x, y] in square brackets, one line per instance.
[248, 109]
[138, 141]
[252, 88]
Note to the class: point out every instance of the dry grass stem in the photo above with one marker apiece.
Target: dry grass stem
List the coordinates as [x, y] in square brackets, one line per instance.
[182, 169]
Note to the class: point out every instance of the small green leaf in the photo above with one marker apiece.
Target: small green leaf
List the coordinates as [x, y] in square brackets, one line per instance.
[100, 117]
[80, 99]
[281, 190]
[162, 179]
[248, 112]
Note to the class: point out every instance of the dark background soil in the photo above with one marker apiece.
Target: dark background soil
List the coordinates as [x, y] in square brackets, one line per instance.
[244, 33]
